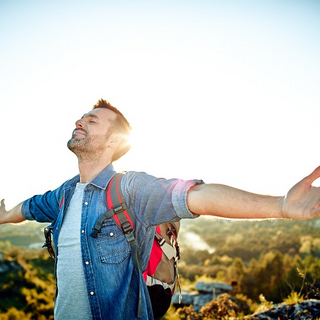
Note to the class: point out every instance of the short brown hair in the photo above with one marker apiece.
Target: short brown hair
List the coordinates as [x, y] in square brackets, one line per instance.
[119, 125]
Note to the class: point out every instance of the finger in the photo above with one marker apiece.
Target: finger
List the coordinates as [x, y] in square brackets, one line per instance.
[313, 176]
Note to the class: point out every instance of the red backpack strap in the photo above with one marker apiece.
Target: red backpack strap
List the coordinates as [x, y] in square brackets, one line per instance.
[117, 209]
[115, 200]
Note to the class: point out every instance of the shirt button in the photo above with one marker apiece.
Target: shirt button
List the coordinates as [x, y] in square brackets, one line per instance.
[82, 231]
[87, 262]
[92, 293]
[111, 234]
[86, 203]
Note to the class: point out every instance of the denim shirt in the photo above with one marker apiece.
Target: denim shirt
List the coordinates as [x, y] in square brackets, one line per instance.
[111, 279]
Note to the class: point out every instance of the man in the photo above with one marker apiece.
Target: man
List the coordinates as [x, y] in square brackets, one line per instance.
[96, 278]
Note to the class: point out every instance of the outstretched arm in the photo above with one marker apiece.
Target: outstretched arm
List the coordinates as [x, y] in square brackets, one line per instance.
[12, 216]
[301, 202]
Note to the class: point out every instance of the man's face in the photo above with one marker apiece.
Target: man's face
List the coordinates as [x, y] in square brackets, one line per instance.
[92, 132]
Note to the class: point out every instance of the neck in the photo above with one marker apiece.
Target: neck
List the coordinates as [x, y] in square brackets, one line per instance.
[88, 170]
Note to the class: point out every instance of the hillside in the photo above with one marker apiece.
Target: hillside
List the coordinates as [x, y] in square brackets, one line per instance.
[245, 239]
[23, 235]
[272, 258]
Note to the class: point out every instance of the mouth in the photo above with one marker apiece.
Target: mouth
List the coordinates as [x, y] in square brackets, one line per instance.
[78, 132]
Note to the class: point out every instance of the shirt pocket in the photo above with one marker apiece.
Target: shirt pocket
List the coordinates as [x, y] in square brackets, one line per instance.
[112, 244]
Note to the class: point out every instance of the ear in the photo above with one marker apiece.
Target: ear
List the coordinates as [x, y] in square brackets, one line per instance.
[114, 140]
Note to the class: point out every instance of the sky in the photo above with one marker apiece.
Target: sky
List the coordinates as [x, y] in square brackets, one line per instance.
[224, 91]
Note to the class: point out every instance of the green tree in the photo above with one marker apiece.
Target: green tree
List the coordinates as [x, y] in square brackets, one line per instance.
[236, 271]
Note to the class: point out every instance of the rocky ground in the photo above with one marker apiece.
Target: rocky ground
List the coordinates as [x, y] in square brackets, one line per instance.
[205, 292]
[309, 309]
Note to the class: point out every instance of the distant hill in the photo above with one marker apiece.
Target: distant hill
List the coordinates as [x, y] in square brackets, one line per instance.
[23, 235]
[248, 239]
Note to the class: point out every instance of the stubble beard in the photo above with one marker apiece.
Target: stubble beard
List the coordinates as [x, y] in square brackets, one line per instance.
[77, 145]
[88, 147]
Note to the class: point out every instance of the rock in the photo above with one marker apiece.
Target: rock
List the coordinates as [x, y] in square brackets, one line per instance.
[201, 300]
[205, 292]
[309, 309]
[213, 286]
[187, 298]
[9, 266]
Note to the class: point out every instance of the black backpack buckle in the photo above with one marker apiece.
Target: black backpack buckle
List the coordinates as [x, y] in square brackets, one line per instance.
[126, 227]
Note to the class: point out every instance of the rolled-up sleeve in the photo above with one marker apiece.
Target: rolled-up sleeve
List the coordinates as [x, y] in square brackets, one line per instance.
[157, 200]
[42, 208]
[179, 198]
[25, 210]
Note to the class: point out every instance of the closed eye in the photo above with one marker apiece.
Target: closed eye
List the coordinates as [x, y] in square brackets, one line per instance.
[92, 118]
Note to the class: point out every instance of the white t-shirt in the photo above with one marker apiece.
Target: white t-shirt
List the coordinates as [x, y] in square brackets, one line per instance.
[72, 298]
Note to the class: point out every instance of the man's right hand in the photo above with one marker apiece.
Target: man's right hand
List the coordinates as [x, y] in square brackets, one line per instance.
[3, 211]
[12, 216]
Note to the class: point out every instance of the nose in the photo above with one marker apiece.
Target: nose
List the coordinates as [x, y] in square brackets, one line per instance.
[79, 123]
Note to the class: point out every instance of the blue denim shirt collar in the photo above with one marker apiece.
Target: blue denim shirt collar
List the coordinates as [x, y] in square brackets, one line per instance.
[100, 181]
[103, 178]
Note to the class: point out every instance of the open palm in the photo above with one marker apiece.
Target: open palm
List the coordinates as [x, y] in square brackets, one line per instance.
[303, 199]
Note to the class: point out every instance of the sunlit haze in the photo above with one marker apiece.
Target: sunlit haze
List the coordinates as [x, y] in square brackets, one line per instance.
[224, 91]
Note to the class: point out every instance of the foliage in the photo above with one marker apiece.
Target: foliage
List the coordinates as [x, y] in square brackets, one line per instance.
[14, 314]
[241, 238]
[293, 298]
[264, 304]
[221, 308]
[258, 264]
[27, 285]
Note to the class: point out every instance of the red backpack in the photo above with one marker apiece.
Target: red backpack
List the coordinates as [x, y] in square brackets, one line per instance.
[161, 274]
